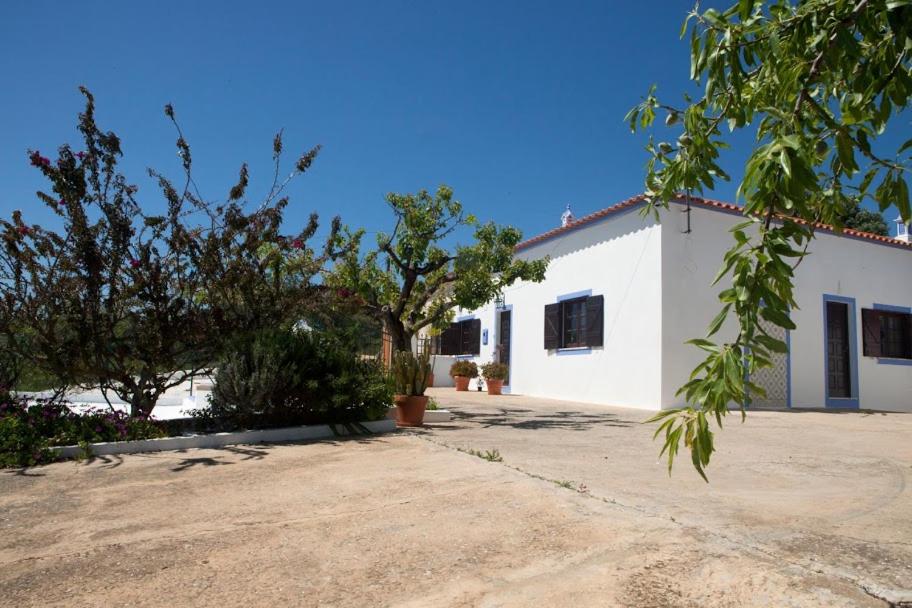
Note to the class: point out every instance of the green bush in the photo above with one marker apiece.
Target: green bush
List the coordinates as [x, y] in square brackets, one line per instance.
[494, 371]
[283, 378]
[467, 369]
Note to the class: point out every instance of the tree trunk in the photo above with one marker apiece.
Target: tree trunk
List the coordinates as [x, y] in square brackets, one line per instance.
[400, 337]
[141, 401]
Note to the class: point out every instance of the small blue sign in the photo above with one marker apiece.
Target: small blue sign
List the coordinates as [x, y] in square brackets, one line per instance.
[484, 337]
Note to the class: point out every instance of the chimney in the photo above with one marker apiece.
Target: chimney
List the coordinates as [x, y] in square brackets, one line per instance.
[567, 217]
[902, 230]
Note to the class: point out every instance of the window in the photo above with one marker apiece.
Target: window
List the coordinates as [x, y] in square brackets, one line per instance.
[887, 333]
[461, 338]
[575, 323]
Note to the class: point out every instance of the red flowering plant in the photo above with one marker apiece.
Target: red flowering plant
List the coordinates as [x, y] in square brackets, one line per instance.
[137, 303]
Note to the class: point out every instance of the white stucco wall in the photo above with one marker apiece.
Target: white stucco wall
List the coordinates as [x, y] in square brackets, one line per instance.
[617, 257]
[838, 265]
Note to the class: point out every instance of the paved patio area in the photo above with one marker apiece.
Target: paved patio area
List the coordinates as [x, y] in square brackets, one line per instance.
[803, 509]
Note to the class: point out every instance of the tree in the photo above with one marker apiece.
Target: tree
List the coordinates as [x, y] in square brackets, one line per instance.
[136, 303]
[859, 218]
[410, 281]
[818, 83]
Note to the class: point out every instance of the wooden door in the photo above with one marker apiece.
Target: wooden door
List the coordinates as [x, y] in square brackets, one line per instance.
[503, 341]
[839, 383]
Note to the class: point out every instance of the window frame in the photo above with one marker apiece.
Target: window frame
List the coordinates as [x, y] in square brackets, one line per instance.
[464, 339]
[575, 323]
[580, 319]
[897, 335]
[893, 357]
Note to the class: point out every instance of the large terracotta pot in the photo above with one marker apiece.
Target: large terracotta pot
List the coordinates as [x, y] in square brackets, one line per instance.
[410, 409]
[462, 382]
[494, 386]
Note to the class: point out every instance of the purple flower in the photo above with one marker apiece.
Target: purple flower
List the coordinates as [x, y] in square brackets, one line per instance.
[39, 161]
[134, 263]
[80, 155]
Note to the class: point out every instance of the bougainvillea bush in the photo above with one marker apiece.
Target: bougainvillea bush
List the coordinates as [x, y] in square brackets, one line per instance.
[28, 431]
[135, 292]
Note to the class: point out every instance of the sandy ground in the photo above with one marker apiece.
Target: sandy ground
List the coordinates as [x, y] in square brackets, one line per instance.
[803, 510]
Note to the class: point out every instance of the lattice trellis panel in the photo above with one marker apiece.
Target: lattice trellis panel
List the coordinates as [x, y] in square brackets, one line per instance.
[774, 379]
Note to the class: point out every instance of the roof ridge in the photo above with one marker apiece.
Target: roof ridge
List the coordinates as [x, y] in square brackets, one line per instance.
[710, 204]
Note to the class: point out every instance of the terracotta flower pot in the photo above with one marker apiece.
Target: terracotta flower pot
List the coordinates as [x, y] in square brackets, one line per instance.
[462, 382]
[494, 386]
[410, 409]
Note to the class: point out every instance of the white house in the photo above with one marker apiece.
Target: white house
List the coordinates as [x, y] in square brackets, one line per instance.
[623, 293]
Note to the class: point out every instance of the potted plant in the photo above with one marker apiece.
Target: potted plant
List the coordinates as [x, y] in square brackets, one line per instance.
[494, 374]
[463, 372]
[410, 375]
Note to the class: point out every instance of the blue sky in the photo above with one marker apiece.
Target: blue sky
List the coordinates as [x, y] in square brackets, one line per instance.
[517, 105]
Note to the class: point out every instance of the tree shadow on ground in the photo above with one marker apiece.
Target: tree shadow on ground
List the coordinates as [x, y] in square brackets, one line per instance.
[825, 410]
[104, 461]
[525, 419]
[22, 472]
[261, 450]
[249, 452]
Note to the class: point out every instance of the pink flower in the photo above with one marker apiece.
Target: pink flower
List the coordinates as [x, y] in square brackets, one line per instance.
[23, 230]
[39, 161]
[61, 202]
[80, 155]
[297, 243]
[134, 263]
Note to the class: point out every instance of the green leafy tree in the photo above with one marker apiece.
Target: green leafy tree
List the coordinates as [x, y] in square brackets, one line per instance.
[817, 83]
[411, 281]
[865, 220]
[136, 303]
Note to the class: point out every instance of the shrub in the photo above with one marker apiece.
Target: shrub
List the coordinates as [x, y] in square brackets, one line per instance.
[410, 372]
[283, 378]
[27, 431]
[136, 297]
[467, 369]
[494, 371]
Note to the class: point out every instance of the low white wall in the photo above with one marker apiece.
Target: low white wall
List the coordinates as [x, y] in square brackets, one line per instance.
[217, 440]
[441, 367]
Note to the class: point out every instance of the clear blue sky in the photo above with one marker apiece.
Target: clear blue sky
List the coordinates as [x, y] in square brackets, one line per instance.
[516, 105]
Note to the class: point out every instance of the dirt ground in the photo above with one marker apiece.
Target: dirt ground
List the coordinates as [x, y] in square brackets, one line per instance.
[803, 509]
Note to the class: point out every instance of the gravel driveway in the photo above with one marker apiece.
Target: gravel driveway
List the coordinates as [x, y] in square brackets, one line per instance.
[802, 510]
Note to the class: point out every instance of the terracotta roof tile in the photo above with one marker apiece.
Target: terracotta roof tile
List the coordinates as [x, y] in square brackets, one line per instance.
[702, 202]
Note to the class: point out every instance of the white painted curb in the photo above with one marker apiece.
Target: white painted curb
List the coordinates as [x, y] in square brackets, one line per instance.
[429, 415]
[217, 440]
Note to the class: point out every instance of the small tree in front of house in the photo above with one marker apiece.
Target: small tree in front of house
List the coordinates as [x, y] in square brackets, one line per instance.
[136, 303]
[412, 281]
